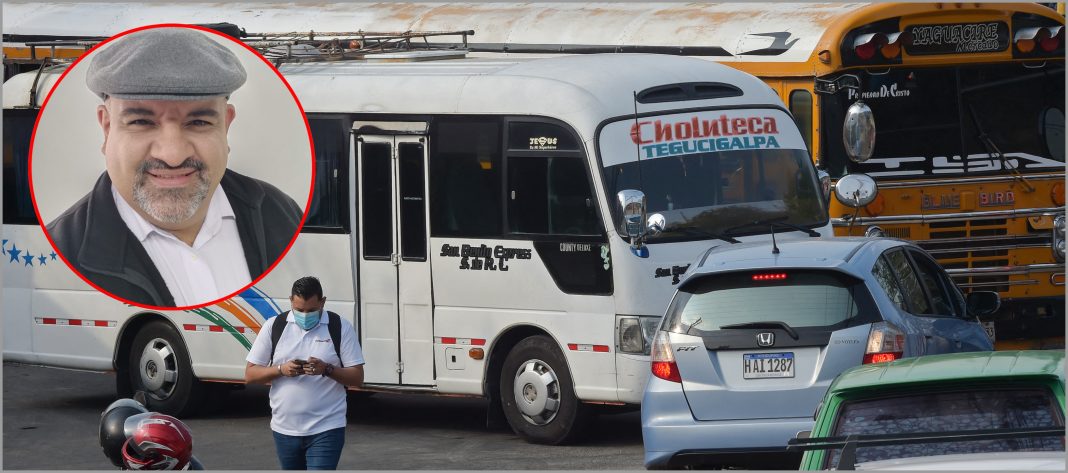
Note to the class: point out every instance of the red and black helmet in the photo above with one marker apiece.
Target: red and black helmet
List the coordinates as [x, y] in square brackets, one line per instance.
[159, 442]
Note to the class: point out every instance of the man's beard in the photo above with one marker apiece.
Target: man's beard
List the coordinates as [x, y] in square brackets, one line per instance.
[170, 205]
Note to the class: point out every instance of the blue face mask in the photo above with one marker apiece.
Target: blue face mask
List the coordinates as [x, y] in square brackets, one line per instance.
[306, 320]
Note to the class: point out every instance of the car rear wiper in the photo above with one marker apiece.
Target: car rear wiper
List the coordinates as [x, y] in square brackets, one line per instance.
[766, 324]
[696, 323]
[774, 221]
[701, 232]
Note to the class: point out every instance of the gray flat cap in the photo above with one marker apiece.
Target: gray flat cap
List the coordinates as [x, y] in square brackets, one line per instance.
[171, 63]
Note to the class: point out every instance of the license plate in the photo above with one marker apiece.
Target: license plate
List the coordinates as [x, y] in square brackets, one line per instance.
[767, 365]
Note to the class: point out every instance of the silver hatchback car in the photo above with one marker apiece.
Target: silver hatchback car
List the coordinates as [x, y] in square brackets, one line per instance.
[754, 336]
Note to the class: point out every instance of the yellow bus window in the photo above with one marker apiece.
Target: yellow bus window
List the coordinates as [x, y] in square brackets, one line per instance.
[801, 109]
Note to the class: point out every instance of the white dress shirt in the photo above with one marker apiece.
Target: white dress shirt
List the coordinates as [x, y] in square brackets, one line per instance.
[213, 267]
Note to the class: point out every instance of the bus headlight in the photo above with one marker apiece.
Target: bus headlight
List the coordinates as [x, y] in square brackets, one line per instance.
[635, 333]
[1058, 238]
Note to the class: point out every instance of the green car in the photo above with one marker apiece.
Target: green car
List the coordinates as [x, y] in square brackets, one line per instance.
[977, 410]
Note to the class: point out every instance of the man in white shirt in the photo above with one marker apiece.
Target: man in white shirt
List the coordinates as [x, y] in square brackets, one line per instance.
[168, 224]
[308, 371]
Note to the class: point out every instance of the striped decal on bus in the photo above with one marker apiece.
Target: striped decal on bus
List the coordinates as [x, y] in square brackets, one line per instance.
[74, 322]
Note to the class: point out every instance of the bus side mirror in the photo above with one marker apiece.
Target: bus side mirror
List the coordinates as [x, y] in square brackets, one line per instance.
[858, 132]
[856, 190]
[825, 184]
[633, 204]
[982, 303]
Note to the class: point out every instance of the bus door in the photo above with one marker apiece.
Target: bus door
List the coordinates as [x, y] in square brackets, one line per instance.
[394, 288]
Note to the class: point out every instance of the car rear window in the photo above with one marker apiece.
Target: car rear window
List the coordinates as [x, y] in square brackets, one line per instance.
[798, 298]
[932, 412]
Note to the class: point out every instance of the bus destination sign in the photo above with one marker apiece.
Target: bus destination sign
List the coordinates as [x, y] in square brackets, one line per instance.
[960, 38]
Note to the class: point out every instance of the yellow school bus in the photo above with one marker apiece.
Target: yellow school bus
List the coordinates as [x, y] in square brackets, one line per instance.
[955, 110]
[967, 105]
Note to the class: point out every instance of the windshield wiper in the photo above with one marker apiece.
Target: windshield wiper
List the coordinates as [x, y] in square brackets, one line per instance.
[773, 221]
[701, 232]
[768, 324]
[991, 148]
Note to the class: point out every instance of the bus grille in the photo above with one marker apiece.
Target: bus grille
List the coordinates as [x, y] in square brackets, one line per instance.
[980, 244]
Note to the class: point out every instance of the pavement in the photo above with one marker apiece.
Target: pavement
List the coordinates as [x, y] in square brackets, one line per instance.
[51, 421]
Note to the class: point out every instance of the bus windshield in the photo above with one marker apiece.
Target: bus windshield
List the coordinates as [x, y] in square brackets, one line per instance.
[952, 121]
[713, 172]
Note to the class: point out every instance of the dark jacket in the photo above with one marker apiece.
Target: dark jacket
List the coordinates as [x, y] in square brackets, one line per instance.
[93, 238]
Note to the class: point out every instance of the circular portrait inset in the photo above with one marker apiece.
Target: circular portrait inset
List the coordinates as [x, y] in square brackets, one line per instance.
[171, 167]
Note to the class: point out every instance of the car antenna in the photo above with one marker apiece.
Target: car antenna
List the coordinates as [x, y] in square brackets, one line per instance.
[774, 246]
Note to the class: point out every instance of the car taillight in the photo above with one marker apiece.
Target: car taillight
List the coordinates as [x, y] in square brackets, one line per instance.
[663, 360]
[885, 343]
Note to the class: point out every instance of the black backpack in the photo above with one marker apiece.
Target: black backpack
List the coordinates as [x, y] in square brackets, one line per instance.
[333, 325]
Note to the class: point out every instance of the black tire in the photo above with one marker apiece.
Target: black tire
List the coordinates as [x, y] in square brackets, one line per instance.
[157, 350]
[547, 412]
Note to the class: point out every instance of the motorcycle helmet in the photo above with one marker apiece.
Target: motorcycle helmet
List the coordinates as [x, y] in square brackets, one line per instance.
[112, 432]
[159, 442]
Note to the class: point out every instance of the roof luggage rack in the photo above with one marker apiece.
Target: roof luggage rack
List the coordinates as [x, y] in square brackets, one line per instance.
[356, 45]
[291, 46]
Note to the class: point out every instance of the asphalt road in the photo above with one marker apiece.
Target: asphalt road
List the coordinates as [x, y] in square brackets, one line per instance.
[51, 419]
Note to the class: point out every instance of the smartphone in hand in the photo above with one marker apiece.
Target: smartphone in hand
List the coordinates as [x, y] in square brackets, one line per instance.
[300, 362]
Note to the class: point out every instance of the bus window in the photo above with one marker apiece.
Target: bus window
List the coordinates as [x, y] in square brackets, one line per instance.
[550, 195]
[18, 206]
[721, 190]
[412, 202]
[947, 121]
[1015, 129]
[465, 180]
[540, 136]
[801, 109]
[377, 198]
[328, 210]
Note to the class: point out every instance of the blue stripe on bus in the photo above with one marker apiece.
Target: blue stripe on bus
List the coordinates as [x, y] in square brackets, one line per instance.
[259, 301]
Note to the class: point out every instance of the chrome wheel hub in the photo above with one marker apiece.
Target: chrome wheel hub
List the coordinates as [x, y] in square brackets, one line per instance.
[158, 368]
[537, 392]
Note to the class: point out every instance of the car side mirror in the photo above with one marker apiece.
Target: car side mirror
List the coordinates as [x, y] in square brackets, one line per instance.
[982, 303]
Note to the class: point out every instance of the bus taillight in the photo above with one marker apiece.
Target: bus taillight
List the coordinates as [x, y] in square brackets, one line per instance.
[866, 44]
[1053, 39]
[888, 45]
[1047, 38]
[892, 48]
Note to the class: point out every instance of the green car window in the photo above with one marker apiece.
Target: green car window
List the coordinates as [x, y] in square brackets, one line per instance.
[932, 412]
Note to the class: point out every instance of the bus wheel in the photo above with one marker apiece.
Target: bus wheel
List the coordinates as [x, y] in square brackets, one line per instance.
[159, 365]
[538, 395]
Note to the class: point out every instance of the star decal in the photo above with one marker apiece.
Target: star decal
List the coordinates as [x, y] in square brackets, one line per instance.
[28, 258]
[43, 260]
[3, 248]
[14, 253]
[53, 256]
